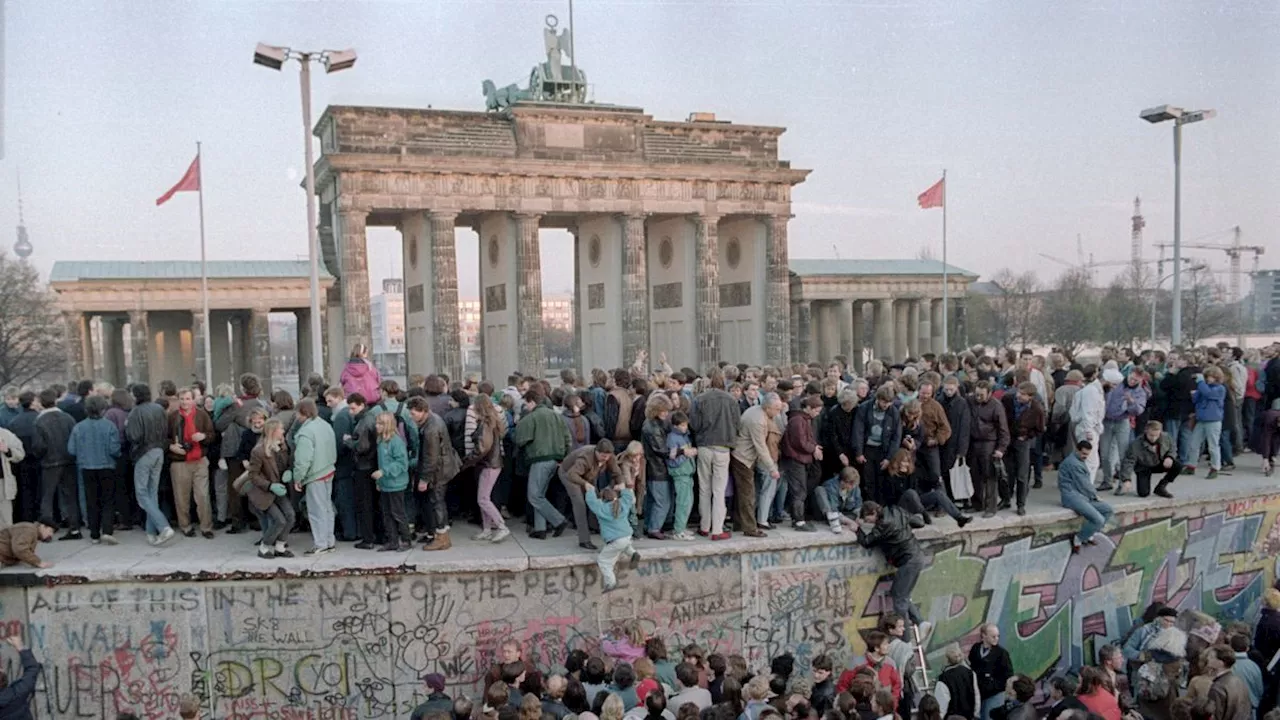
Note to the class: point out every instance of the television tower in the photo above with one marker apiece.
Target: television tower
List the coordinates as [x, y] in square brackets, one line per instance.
[22, 248]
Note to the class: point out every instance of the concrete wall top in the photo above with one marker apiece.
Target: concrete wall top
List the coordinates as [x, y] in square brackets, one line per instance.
[355, 646]
[591, 133]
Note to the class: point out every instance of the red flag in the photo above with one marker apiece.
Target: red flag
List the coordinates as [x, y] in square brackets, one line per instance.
[190, 181]
[935, 196]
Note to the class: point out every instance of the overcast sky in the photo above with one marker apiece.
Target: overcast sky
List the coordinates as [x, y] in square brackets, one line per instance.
[1031, 106]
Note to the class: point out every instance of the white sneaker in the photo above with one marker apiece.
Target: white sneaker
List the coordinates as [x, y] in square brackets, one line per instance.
[686, 536]
[485, 535]
[500, 534]
[165, 536]
[151, 539]
[110, 540]
[923, 630]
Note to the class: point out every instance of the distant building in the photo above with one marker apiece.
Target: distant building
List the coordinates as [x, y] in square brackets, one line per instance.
[1265, 302]
[386, 313]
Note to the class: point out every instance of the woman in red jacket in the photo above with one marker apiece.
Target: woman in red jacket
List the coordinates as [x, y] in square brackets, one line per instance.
[1095, 695]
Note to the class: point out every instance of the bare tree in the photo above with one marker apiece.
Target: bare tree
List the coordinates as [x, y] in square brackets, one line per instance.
[1122, 315]
[1069, 314]
[1014, 307]
[31, 331]
[1203, 312]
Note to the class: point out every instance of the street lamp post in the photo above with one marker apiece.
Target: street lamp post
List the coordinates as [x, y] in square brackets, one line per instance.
[274, 57]
[1177, 302]
[1179, 117]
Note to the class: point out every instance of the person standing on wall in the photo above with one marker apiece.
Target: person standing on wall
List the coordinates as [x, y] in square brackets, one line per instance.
[988, 440]
[314, 458]
[190, 433]
[713, 422]
[877, 433]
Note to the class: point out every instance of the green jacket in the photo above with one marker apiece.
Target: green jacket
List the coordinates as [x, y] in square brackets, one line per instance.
[541, 435]
[315, 453]
[393, 461]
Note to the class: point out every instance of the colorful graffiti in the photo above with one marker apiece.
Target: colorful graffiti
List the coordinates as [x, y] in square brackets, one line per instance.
[349, 648]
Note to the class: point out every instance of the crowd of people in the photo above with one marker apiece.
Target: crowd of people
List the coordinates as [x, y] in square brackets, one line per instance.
[634, 452]
[1169, 665]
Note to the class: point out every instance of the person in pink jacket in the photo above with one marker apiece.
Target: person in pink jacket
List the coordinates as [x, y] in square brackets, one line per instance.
[360, 376]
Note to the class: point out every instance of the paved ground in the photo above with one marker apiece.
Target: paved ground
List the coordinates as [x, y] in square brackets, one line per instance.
[233, 556]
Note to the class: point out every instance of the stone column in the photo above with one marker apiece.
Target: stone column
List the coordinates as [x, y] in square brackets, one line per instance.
[913, 328]
[533, 359]
[884, 322]
[935, 326]
[577, 303]
[198, 331]
[777, 294]
[960, 337]
[844, 317]
[707, 297]
[77, 330]
[635, 288]
[901, 311]
[924, 327]
[260, 344]
[324, 345]
[803, 330]
[444, 265]
[304, 348]
[859, 324]
[355, 278]
[113, 370]
[140, 337]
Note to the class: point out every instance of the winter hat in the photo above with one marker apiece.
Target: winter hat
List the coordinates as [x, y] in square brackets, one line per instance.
[1167, 645]
[1112, 376]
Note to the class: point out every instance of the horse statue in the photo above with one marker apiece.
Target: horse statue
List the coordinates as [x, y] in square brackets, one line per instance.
[496, 98]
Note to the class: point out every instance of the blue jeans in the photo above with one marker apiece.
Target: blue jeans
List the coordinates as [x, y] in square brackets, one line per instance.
[991, 703]
[540, 474]
[1115, 441]
[320, 512]
[1227, 452]
[657, 505]
[1094, 512]
[766, 489]
[84, 507]
[779, 500]
[1181, 437]
[146, 486]
[1212, 433]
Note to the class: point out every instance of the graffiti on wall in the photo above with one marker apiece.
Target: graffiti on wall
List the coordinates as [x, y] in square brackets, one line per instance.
[357, 647]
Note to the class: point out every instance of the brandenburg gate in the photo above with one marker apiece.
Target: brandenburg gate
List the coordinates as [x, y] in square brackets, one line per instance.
[680, 228]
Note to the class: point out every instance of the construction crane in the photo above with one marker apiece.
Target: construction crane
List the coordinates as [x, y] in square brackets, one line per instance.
[1135, 238]
[1234, 251]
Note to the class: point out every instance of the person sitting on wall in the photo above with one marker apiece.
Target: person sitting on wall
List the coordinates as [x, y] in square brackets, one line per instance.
[1078, 495]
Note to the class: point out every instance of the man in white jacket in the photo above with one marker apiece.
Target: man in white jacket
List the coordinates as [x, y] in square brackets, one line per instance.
[11, 453]
[1088, 410]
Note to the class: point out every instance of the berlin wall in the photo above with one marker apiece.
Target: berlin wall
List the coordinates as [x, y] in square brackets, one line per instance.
[356, 646]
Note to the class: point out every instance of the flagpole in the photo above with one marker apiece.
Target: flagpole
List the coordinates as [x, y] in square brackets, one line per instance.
[946, 317]
[204, 279]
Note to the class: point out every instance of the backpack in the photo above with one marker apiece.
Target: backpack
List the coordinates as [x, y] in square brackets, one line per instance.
[399, 423]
